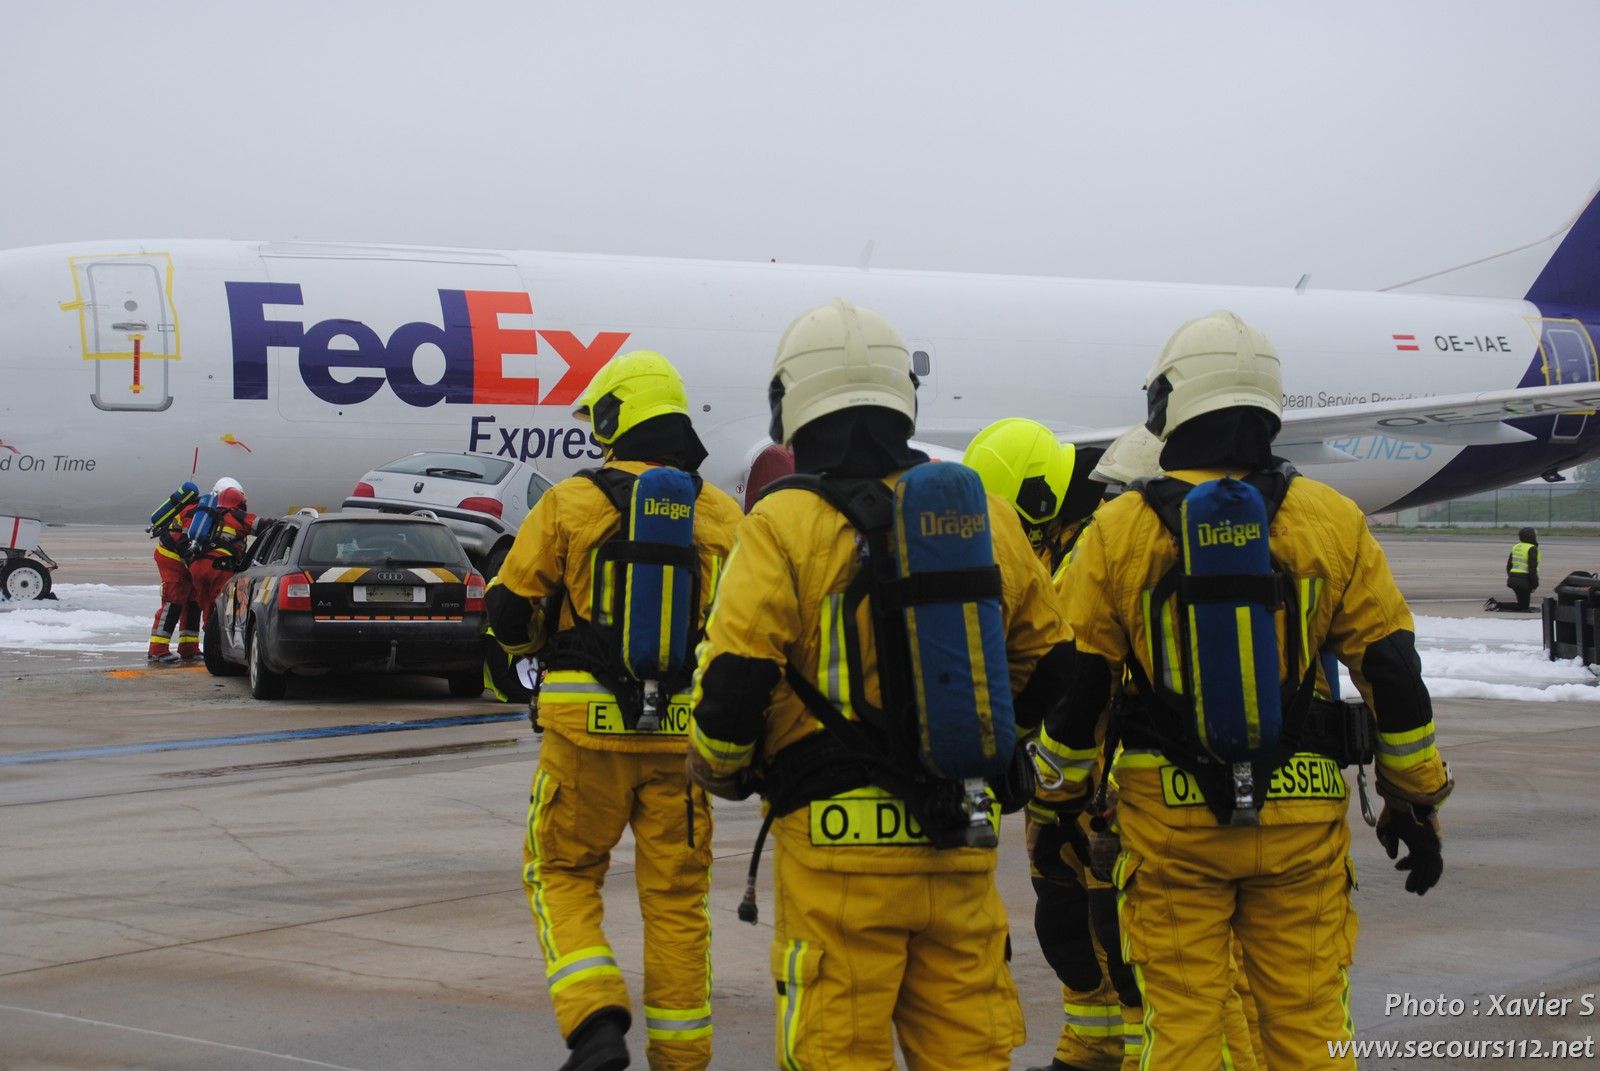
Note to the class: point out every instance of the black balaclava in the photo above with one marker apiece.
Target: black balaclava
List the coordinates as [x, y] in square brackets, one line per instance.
[1239, 437]
[1528, 535]
[665, 440]
[1083, 494]
[863, 440]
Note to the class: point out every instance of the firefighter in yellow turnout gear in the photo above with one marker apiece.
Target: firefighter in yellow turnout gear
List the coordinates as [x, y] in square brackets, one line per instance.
[601, 771]
[1212, 854]
[878, 933]
[1046, 481]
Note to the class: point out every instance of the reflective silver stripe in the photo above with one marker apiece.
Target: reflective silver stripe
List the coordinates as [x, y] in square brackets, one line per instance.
[575, 688]
[652, 1022]
[1098, 1025]
[1405, 749]
[577, 966]
[833, 627]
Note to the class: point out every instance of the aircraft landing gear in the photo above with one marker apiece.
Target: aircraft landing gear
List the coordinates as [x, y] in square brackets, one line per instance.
[25, 576]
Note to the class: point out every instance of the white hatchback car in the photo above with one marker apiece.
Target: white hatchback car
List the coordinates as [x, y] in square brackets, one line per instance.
[482, 499]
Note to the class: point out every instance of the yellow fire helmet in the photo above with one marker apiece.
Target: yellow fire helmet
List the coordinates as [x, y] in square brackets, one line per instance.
[837, 356]
[1021, 461]
[1210, 363]
[630, 389]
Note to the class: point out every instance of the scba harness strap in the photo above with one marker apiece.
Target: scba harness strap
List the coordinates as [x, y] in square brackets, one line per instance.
[1169, 717]
[880, 745]
[596, 644]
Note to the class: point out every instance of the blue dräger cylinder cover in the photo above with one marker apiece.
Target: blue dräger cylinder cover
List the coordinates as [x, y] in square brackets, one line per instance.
[959, 667]
[173, 504]
[204, 520]
[656, 615]
[1233, 643]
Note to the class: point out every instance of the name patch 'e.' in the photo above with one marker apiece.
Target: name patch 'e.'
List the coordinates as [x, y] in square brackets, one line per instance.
[606, 718]
[1303, 777]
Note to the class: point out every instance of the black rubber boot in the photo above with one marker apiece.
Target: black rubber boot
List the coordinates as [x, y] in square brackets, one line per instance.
[599, 1043]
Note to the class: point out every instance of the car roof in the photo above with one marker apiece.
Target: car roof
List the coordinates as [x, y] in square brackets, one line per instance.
[370, 517]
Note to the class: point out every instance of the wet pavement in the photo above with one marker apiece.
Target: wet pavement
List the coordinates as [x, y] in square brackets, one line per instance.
[193, 879]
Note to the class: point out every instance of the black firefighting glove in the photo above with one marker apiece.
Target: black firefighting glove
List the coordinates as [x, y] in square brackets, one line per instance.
[1016, 787]
[1048, 857]
[1417, 827]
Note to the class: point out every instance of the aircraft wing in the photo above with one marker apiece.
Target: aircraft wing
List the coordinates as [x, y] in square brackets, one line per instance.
[1475, 419]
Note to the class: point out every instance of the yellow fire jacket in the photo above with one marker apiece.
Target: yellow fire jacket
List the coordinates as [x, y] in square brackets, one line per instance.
[1348, 603]
[781, 602]
[554, 555]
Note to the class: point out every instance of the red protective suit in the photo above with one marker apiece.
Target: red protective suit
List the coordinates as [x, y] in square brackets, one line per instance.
[177, 595]
[217, 563]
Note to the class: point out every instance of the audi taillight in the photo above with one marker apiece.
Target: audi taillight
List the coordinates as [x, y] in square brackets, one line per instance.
[294, 592]
[474, 594]
[491, 506]
[364, 490]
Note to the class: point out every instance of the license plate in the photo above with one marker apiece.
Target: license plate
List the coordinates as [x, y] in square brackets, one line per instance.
[389, 593]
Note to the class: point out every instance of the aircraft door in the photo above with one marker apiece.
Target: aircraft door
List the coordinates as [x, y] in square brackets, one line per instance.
[129, 328]
[1569, 357]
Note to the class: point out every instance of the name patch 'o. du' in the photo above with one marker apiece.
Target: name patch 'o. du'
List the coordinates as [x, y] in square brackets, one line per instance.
[1303, 777]
[869, 821]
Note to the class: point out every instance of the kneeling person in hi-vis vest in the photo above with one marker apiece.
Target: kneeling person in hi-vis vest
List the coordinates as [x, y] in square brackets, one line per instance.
[607, 584]
[883, 635]
[1214, 588]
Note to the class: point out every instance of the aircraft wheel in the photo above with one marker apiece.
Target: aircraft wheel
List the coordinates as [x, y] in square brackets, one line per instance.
[23, 579]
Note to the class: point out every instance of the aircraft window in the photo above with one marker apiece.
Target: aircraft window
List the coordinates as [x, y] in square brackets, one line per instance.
[921, 363]
[537, 486]
[130, 304]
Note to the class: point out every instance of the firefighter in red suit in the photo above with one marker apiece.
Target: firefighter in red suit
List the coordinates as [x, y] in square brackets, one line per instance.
[179, 610]
[224, 551]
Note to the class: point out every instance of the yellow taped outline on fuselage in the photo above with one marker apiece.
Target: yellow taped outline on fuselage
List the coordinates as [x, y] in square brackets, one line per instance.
[80, 305]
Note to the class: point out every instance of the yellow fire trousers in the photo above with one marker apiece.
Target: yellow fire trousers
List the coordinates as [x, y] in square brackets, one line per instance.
[1282, 892]
[858, 958]
[582, 801]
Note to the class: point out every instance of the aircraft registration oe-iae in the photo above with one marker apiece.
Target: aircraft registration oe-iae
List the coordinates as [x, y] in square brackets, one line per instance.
[129, 367]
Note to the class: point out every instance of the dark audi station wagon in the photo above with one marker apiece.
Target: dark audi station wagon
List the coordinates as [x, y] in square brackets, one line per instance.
[358, 592]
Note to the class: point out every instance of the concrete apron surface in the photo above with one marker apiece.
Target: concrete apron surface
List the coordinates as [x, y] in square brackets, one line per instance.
[354, 900]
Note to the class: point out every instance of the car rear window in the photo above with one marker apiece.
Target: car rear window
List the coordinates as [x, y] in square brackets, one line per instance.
[381, 543]
[467, 467]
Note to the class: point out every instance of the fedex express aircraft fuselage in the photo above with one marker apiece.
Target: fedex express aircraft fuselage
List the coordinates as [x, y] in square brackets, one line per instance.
[126, 368]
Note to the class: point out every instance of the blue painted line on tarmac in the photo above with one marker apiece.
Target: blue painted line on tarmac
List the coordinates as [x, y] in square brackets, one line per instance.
[25, 758]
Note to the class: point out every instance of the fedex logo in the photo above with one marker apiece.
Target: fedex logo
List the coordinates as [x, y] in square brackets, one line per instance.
[345, 362]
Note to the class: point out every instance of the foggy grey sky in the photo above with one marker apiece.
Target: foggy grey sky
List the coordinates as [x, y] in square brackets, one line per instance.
[1363, 142]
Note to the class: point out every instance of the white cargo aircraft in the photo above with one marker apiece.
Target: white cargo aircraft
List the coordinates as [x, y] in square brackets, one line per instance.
[128, 367]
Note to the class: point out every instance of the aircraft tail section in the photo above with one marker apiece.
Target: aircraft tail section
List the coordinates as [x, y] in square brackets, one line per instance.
[1561, 271]
[1571, 277]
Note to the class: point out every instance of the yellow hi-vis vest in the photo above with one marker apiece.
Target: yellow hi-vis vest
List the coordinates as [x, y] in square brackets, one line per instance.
[1519, 558]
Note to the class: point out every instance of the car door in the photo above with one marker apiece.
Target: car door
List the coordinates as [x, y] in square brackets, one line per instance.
[269, 550]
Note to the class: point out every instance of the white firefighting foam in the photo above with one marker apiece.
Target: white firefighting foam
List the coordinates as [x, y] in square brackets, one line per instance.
[1482, 657]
